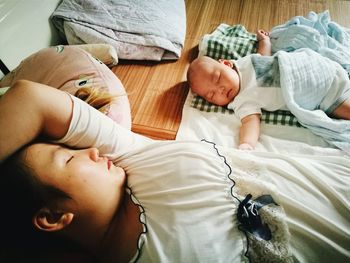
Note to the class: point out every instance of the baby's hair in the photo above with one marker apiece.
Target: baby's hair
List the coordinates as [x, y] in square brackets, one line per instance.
[96, 97]
[191, 72]
[189, 76]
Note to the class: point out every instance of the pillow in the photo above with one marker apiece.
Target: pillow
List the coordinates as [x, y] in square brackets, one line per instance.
[69, 68]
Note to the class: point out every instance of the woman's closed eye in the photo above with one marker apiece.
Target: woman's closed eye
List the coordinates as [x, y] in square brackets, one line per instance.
[69, 159]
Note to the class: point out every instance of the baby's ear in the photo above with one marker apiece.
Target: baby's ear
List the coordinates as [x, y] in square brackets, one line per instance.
[226, 62]
[47, 220]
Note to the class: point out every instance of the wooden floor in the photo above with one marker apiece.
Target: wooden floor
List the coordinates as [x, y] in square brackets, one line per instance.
[157, 90]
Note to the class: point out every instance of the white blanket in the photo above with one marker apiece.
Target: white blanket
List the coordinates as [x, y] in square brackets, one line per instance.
[142, 30]
[312, 179]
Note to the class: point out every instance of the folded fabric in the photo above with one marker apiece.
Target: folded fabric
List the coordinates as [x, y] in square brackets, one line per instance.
[317, 32]
[151, 30]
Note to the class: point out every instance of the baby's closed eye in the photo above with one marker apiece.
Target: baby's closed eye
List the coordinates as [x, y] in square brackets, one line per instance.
[216, 77]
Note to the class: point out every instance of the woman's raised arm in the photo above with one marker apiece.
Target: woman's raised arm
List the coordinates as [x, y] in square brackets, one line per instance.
[30, 109]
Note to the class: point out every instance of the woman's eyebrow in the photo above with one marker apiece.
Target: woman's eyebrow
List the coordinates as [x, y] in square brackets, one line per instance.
[55, 153]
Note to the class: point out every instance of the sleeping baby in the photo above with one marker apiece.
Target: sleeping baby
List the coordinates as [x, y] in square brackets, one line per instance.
[261, 81]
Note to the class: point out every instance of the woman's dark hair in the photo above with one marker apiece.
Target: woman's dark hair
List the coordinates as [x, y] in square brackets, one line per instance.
[21, 196]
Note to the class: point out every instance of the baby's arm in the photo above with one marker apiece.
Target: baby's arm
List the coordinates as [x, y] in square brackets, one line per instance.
[264, 43]
[249, 132]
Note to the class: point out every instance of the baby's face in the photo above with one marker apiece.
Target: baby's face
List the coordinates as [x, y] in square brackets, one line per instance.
[215, 81]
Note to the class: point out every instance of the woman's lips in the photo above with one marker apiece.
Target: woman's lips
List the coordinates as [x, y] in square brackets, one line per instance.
[109, 164]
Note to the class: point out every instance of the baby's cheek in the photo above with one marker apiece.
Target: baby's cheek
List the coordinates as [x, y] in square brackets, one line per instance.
[220, 101]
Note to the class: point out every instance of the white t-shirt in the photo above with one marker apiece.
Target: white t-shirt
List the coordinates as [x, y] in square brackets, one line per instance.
[189, 191]
[253, 97]
[182, 186]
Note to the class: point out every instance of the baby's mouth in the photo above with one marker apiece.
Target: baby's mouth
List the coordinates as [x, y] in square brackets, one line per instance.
[228, 93]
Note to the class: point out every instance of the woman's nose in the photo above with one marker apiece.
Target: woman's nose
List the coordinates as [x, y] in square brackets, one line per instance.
[94, 154]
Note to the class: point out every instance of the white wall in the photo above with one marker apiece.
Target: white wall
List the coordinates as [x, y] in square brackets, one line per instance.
[25, 28]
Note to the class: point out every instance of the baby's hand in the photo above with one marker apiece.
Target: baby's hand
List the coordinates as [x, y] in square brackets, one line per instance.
[262, 34]
[245, 146]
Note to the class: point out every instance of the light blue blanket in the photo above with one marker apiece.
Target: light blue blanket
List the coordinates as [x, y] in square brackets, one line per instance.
[317, 32]
[310, 83]
[306, 76]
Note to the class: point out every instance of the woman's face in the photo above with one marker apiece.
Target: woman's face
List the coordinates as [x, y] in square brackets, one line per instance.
[94, 184]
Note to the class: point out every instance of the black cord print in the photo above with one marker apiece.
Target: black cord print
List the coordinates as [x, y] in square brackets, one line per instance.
[248, 216]
[248, 210]
[142, 214]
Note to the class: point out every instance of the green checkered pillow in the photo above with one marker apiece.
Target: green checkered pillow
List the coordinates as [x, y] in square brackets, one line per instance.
[280, 117]
[228, 42]
[234, 42]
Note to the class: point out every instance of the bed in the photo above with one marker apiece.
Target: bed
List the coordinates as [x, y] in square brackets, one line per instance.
[314, 33]
[285, 149]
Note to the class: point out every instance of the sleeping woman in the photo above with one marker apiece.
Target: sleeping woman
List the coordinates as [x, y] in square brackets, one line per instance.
[69, 171]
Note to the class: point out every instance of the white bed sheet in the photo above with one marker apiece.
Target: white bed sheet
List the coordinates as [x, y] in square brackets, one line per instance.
[310, 178]
[222, 129]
